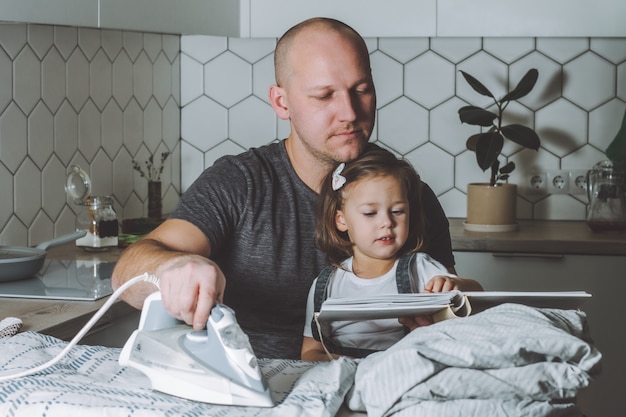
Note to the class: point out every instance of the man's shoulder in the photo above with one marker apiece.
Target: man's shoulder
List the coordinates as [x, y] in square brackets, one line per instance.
[252, 165]
[273, 152]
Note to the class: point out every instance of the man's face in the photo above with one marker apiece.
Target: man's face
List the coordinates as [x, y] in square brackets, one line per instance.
[330, 96]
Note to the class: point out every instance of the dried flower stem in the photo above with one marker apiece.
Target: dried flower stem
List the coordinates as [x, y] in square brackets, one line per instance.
[153, 172]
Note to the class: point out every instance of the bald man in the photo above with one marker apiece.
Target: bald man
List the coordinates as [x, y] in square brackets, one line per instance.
[243, 233]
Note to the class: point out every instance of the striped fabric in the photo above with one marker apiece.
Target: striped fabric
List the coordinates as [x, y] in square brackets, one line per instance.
[510, 360]
[90, 382]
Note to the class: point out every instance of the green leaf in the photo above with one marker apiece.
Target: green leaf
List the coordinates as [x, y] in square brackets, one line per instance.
[488, 147]
[477, 85]
[472, 141]
[526, 84]
[521, 135]
[508, 168]
[476, 116]
[616, 151]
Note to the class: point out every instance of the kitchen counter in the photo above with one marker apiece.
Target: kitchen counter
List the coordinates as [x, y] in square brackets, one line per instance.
[63, 319]
[539, 237]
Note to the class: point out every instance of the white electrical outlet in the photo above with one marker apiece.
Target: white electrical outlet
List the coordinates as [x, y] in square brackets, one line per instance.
[578, 182]
[558, 182]
[538, 183]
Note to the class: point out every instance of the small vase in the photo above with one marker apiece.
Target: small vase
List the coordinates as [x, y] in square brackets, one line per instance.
[154, 200]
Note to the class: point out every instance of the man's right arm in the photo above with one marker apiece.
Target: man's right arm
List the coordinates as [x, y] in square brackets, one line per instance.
[177, 252]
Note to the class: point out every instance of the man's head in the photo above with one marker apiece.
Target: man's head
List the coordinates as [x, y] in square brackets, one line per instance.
[324, 87]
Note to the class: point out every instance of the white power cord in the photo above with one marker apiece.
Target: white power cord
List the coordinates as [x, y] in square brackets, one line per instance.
[139, 278]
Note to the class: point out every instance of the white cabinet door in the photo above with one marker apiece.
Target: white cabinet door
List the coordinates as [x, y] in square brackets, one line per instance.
[57, 12]
[536, 18]
[234, 18]
[206, 17]
[602, 276]
[371, 18]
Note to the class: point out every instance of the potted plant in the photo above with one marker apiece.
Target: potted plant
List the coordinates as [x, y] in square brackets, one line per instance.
[491, 206]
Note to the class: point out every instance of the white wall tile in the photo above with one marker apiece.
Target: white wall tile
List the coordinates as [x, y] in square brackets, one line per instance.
[53, 81]
[26, 80]
[252, 50]
[429, 80]
[204, 123]
[40, 134]
[13, 134]
[89, 41]
[387, 77]
[259, 128]
[509, 50]
[85, 97]
[227, 79]
[446, 129]
[111, 43]
[403, 49]
[435, 166]
[101, 79]
[549, 83]
[403, 125]
[203, 48]
[590, 81]
[562, 50]
[6, 204]
[455, 49]
[40, 39]
[27, 180]
[77, 79]
[605, 122]
[6, 79]
[142, 79]
[263, 78]
[562, 127]
[191, 79]
[13, 38]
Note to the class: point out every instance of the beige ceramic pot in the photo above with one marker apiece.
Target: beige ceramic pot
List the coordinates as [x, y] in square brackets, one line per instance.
[491, 208]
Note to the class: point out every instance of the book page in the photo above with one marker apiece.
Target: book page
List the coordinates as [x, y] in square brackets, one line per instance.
[386, 306]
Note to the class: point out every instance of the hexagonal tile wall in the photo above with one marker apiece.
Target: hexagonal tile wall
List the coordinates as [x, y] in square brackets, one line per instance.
[576, 106]
[88, 97]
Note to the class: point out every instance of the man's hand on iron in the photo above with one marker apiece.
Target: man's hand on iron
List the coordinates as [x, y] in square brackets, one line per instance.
[190, 286]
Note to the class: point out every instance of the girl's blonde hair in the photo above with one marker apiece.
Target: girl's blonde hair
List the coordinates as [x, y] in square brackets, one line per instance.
[374, 161]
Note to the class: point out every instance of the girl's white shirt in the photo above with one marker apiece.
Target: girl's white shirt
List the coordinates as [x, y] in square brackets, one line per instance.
[372, 334]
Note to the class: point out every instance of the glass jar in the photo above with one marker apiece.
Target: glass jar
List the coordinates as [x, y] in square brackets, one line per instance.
[606, 189]
[98, 218]
[96, 214]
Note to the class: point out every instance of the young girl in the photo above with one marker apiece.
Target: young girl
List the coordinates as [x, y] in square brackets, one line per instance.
[370, 220]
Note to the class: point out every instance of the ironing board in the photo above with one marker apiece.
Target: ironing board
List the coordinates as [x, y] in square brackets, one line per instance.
[510, 357]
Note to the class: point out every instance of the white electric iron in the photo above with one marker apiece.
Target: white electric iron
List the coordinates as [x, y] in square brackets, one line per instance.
[216, 365]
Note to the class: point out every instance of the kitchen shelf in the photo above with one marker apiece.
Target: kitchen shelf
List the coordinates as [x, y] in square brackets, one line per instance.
[539, 237]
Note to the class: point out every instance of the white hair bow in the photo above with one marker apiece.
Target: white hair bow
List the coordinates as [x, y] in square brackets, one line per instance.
[338, 179]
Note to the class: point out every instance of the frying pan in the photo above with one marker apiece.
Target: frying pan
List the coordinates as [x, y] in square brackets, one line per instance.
[17, 262]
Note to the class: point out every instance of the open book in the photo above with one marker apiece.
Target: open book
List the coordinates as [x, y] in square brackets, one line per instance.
[441, 305]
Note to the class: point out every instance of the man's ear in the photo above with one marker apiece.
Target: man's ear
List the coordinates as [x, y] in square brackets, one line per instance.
[340, 222]
[278, 101]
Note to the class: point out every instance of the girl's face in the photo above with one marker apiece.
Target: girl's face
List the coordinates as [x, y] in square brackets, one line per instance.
[375, 214]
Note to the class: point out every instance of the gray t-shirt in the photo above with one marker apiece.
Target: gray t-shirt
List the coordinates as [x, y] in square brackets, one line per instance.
[259, 218]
